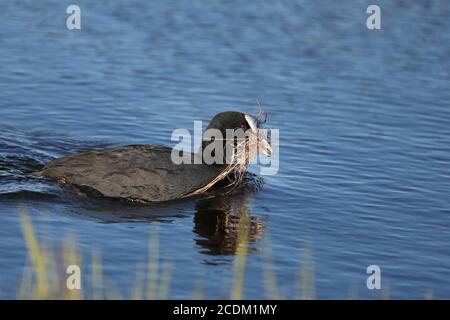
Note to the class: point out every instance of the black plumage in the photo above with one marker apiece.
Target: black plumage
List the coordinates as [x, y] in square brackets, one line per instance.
[141, 172]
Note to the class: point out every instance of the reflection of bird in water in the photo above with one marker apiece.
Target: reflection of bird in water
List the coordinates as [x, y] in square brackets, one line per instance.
[220, 221]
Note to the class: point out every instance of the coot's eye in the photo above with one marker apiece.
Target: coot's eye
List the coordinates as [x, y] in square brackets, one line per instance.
[244, 127]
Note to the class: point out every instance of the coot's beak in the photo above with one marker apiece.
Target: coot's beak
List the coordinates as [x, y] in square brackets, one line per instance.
[263, 145]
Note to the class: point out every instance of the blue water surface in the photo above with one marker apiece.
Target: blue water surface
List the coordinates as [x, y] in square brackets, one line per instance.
[364, 119]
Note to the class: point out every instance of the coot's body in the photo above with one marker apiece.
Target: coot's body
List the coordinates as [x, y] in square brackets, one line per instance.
[137, 172]
[144, 173]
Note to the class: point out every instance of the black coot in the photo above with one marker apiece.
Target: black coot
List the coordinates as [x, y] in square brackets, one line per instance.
[147, 173]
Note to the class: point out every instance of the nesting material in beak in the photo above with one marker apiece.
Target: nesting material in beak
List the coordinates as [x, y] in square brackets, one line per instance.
[243, 153]
[262, 143]
[264, 146]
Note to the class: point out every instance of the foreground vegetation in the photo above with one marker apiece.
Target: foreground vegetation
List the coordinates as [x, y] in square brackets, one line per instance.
[44, 276]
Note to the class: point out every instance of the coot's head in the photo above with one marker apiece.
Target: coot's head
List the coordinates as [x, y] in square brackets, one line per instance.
[233, 131]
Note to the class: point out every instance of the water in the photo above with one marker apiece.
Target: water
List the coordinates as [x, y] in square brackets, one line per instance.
[364, 124]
